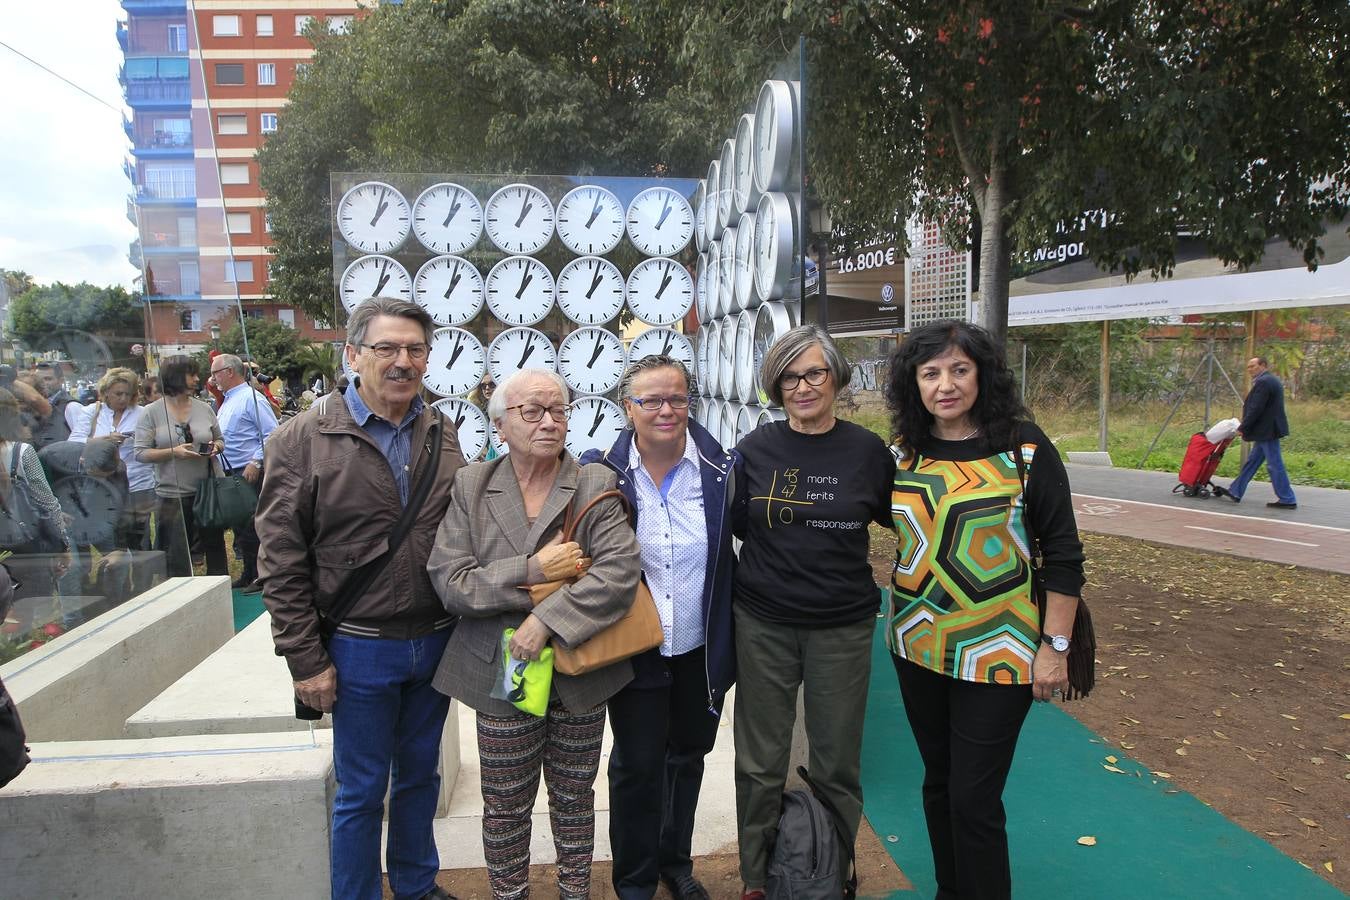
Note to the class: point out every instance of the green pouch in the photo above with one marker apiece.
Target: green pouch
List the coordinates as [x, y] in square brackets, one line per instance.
[531, 681]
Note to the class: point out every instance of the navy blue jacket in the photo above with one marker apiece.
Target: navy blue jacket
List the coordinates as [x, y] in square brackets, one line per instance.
[717, 468]
[1263, 417]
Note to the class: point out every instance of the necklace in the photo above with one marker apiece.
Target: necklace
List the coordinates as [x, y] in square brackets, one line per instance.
[965, 437]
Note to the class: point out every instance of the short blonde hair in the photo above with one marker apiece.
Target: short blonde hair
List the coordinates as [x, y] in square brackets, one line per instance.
[119, 375]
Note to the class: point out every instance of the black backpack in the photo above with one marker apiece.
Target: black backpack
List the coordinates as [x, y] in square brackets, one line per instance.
[804, 864]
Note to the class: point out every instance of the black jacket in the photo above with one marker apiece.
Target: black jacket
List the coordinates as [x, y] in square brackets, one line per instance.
[1263, 417]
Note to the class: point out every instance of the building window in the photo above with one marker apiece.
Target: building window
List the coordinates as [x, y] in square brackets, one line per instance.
[229, 73]
[190, 320]
[267, 123]
[267, 73]
[301, 69]
[169, 181]
[322, 323]
[254, 313]
[340, 24]
[286, 317]
[225, 26]
[178, 39]
[237, 270]
[189, 278]
[231, 124]
[187, 231]
[238, 223]
[264, 24]
[234, 173]
[267, 222]
[301, 23]
[171, 132]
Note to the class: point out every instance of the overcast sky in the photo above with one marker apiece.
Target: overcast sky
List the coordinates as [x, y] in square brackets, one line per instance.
[63, 201]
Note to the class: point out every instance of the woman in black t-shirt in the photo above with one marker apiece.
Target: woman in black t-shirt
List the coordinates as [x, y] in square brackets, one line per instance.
[804, 599]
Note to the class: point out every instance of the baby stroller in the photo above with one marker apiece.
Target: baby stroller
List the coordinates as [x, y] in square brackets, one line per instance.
[1203, 456]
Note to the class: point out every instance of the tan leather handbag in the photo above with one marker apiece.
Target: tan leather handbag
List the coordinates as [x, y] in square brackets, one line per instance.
[638, 631]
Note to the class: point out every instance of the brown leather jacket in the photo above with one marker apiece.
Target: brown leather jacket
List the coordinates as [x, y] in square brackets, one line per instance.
[327, 505]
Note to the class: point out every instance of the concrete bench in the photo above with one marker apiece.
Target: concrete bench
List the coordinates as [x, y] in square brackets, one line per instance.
[83, 685]
[204, 816]
[244, 687]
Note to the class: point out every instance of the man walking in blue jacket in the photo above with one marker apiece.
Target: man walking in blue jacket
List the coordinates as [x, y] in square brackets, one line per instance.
[1264, 423]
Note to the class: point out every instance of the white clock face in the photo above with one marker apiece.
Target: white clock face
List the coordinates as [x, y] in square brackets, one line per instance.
[747, 420]
[726, 173]
[726, 366]
[520, 348]
[592, 360]
[700, 211]
[447, 218]
[660, 291]
[469, 422]
[714, 358]
[591, 290]
[373, 276]
[456, 363]
[519, 219]
[775, 245]
[772, 321]
[746, 195]
[450, 289]
[660, 221]
[374, 217]
[775, 136]
[663, 342]
[519, 290]
[495, 439]
[701, 288]
[726, 272]
[746, 373]
[712, 222]
[590, 220]
[595, 425]
[743, 274]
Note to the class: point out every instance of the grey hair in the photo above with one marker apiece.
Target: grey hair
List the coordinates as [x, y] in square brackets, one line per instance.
[793, 344]
[497, 404]
[359, 321]
[237, 365]
[649, 363]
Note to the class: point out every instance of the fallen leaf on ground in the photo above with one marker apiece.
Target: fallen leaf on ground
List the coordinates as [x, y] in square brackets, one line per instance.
[1289, 717]
[1088, 840]
[1327, 865]
[1114, 769]
[1181, 751]
[1309, 822]
[1162, 774]
[1112, 760]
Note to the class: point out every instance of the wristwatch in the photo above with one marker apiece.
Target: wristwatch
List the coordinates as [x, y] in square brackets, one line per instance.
[1058, 642]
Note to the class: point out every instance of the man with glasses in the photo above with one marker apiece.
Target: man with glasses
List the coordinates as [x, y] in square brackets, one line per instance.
[246, 419]
[336, 480]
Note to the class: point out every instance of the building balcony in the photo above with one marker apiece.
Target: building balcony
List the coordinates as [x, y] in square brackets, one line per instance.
[164, 151]
[173, 195]
[131, 210]
[122, 35]
[158, 94]
[154, 7]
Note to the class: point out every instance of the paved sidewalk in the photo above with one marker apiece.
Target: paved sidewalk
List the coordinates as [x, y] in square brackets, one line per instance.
[1139, 504]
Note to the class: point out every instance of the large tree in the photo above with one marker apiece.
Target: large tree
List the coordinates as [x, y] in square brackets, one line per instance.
[93, 326]
[1008, 119]
[520, 86]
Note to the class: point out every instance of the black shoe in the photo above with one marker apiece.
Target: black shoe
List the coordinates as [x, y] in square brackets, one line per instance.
[1280, 504]
[242, 582]
[1224, 492]
[685, 887]
[438, 893]
[253, 587]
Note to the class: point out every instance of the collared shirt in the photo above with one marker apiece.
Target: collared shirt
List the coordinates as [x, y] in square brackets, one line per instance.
[394, 441]
[672, 533]
[246, 419]
[140, 476]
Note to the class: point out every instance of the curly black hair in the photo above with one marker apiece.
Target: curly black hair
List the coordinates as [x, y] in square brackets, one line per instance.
[998, 411]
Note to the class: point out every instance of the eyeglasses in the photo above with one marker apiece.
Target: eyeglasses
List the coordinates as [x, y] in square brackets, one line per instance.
[788, 381]
[533, 412]
[654, 404]
[389, 350]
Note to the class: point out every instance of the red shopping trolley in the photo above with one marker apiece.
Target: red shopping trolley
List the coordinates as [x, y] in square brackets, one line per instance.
[1198, 467]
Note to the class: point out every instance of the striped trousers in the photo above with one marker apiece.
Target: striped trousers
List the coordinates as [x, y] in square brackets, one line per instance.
[511, 753]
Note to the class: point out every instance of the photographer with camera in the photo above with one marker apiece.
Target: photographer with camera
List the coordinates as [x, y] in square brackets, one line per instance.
[180, 435]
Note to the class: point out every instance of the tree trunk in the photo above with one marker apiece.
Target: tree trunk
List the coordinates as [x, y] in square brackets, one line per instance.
[994, 260]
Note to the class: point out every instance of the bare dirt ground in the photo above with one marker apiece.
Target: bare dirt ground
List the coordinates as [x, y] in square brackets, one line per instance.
[1228, 678]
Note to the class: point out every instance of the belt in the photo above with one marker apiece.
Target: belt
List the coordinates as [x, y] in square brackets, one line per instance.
[397, 631]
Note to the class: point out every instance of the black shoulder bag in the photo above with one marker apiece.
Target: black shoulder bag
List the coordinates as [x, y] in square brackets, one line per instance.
[1083, 641]
[13, 748]
[361, 579]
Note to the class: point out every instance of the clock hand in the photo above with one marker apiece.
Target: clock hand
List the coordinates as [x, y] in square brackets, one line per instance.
[665, 282]
[529, 350]
[454, 208]
[454, 355]
[595, 283]
[665, 211]
[524, 283]
[459, 422]
[384, 278]
[454, 282]
[524, 211]
[599, 417]
[665, 351]
[599, 345]
[595, 212]
[380, 207]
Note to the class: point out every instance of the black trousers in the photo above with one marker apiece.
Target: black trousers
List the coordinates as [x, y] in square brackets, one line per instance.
[661, 736]
[966, 733]
[246, 545]
[176, 530]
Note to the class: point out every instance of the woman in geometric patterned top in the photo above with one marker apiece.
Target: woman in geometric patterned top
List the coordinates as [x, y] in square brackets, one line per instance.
[971, 647]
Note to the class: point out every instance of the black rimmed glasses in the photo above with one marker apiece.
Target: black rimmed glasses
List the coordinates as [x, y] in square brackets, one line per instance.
[654, 404]
[390, 350]
[788, 381]
[534, 412]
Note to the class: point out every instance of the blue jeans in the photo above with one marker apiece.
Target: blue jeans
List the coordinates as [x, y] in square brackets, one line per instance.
[1267, 452]
[386, 713]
